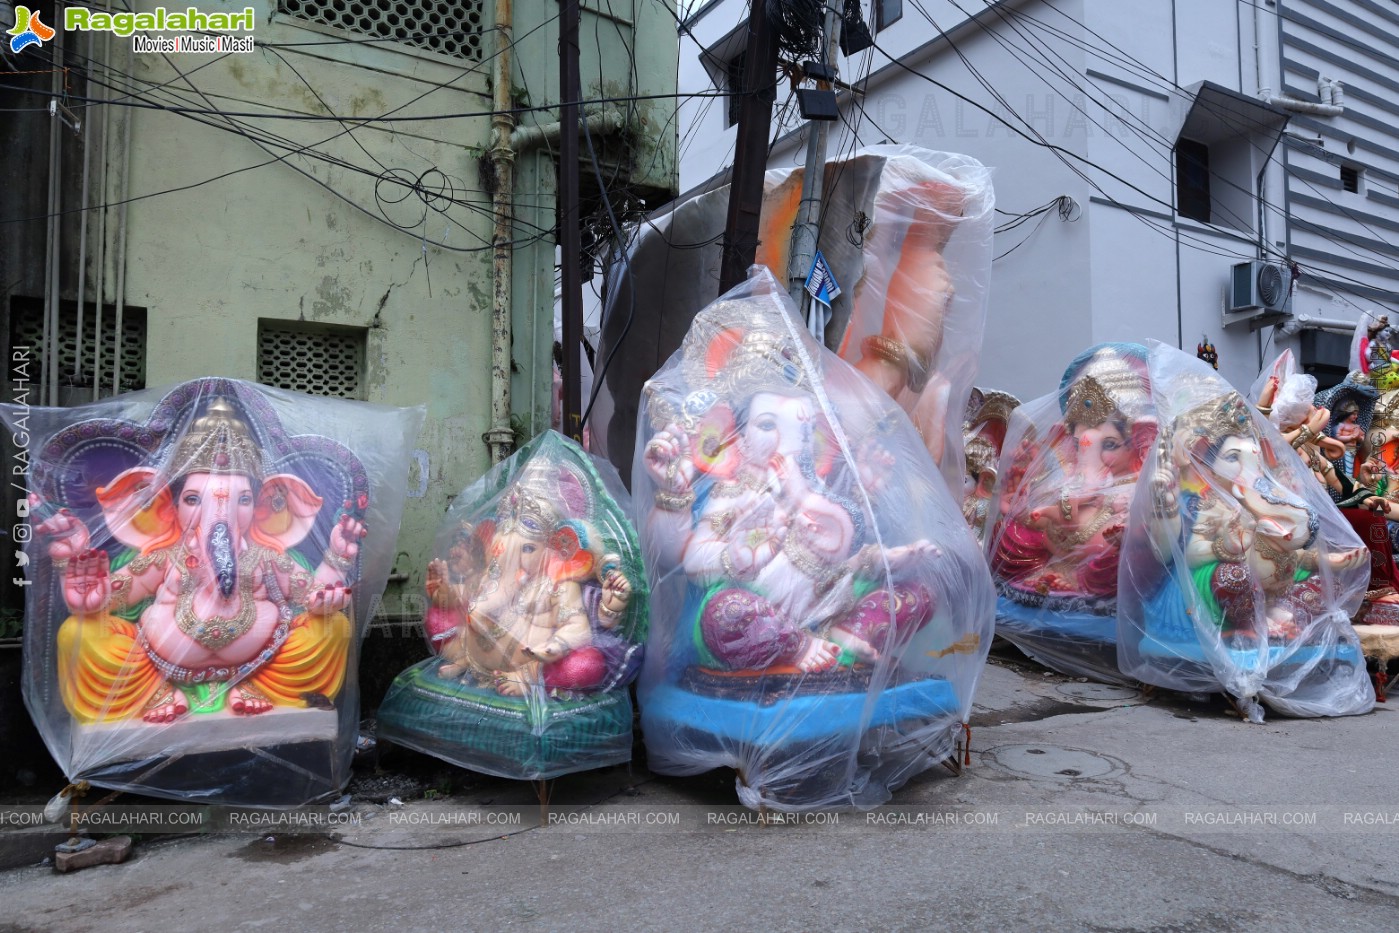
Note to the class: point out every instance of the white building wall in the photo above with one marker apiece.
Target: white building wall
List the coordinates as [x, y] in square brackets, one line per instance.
[1344, 241]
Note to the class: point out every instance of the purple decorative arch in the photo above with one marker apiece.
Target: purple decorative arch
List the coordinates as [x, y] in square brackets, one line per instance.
[77, 460]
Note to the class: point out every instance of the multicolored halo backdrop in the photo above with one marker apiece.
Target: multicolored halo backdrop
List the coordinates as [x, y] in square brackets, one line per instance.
[203, 565]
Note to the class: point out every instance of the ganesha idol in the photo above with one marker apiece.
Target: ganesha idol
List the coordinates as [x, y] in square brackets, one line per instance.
[1373, 352]
[207, 565]
[536, 613]
[1070, 465]
[820, 619]
[1241, 574]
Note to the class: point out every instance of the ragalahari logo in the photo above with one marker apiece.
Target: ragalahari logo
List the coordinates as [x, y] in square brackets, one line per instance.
[28, 30]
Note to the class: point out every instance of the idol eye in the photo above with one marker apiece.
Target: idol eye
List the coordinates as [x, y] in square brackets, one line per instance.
[766, 424]
[529, 549]
[191, 498]
[245, 499]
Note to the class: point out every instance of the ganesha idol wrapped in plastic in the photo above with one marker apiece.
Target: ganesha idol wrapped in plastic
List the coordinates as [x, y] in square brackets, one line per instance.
[1069, 465]
[1239, 573]
[202, 567]
[537, 611]
[820, 613]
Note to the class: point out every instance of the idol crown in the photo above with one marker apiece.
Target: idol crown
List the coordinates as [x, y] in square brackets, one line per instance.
[1218, 418]
[219, 442]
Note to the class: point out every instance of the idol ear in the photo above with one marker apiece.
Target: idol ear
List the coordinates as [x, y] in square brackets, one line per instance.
[1143, 436]
[721, 348]
[573, 558]
[286, 509]
[485, 533]
[138, 512]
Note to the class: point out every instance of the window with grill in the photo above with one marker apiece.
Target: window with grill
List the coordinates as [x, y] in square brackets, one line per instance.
[318, 359]
[1350, 178]
[27, 330]
[436, 25]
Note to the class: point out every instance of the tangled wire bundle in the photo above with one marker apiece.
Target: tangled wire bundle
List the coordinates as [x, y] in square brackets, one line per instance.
[798, 24]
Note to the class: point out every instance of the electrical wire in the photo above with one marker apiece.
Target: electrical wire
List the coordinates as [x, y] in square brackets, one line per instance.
[601, 373]
[310, 150]
[364, 121]
[1149, 134]
[1065, 155]
[1145, 71]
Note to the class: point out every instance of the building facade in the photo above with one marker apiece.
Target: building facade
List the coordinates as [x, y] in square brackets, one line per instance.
[318, 212]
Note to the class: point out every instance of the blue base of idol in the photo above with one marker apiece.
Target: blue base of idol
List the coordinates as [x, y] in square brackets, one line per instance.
[1171, 643]
[796, 719]
[794, 725]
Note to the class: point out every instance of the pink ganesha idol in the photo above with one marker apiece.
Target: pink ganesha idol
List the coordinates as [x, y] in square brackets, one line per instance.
[1069, 473]
[227, 619]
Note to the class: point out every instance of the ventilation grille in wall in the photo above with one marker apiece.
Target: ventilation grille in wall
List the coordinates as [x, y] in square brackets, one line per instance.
[436, 25]
[318, 359]
[27, 330]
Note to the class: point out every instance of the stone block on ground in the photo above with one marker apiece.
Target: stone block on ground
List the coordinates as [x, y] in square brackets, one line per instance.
[111, 851]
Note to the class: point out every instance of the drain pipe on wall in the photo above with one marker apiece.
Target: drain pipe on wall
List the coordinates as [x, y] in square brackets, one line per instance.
[1331, 103]
[1300, 322]
[507, 141]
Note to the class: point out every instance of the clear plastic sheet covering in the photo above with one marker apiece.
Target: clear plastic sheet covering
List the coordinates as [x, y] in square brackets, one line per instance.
[1239, 574]
[983, 435]
[919, 311]
[821, 614]
[1334, 449]
[907, 233]
[1068, 471]
[1327, 429]
[537, 613]
[204, 562]
[1372, 349]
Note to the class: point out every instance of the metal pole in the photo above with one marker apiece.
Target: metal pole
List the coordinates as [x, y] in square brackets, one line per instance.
[499, 437]
[100, 289]
[82, 227]
[52, 291]
[806, 230]
[751, 150]
[570, 89]
[123, 179]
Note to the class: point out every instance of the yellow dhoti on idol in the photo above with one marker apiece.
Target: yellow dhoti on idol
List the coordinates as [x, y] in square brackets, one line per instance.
[106, 671]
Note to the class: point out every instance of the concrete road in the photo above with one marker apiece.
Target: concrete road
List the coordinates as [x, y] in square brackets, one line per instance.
[1085, 808]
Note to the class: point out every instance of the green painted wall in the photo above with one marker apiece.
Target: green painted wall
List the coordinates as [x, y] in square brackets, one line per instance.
[305, 239]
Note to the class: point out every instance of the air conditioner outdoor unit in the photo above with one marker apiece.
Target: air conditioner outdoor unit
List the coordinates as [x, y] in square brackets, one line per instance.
[1258, 294]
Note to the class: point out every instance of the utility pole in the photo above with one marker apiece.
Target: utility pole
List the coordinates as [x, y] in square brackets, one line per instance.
[757, 94]
[806, 230]
[570, 90]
